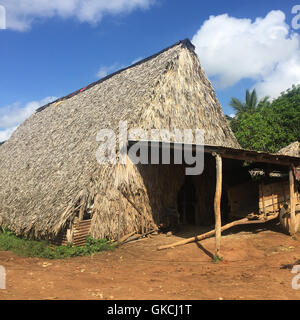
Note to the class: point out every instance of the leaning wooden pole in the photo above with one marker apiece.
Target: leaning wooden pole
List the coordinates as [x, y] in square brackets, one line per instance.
[211, 233]
[292, 202]
[217, 203]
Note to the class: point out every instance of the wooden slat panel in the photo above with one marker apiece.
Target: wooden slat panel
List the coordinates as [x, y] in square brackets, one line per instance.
[80, 236]
[274, 195]
[83, 223]
[79, 244]
[80, 231]
[270, 202]
[76, 226]
[61, 239]
[82, 228]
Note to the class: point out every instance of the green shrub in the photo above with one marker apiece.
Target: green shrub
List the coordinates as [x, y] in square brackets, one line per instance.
[43, 249]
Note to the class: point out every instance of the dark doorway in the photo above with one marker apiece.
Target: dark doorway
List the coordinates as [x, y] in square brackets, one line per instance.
[187, 201]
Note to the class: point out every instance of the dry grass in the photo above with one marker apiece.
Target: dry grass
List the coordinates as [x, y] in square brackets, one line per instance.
[292, 150]
[48, 168]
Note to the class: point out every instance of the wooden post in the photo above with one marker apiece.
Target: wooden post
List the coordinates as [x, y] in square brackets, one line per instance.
[118, 227]
[263, 198]
[143, 221]
[81, 212]
[217, 204]
[273, 202]
[292, 202]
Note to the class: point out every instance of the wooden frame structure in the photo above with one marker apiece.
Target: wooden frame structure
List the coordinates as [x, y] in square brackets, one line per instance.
[276, 160]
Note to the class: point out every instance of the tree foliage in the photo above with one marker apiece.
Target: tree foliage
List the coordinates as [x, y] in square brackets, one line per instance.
[271, 126]
[251, 103]
[43, 249]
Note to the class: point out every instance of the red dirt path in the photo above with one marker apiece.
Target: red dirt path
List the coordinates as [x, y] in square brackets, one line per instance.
[257, 265]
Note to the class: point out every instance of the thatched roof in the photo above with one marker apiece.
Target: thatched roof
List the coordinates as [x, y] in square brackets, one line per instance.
[49, 164]
[292, 150]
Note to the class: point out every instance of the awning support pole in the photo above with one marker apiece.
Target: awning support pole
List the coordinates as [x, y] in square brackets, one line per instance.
[292, 202]
[217, 204]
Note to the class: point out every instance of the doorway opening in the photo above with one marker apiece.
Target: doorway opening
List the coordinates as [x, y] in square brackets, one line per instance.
[186, 202]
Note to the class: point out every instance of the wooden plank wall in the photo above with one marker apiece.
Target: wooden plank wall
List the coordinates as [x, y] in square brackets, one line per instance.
[78, 234]
[80, 230]
[272, 196]
[61, 239]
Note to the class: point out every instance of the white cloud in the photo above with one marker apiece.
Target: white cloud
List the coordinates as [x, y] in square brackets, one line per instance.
[21, 14]
[285, 74]
[264, 50]
[137, 60]
[5, 134]
[106, 70]
[12, 115]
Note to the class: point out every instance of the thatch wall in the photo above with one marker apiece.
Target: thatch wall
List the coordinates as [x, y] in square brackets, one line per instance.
[141, 195]
[48, 168]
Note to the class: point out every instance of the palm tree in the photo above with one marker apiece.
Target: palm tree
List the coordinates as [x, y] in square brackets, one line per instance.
[251, 103]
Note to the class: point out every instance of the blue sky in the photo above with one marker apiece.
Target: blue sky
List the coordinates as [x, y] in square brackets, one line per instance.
[50, 50]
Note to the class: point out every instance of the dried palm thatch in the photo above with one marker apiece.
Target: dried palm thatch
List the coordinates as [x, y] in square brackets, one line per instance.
[292, 150]
[48, 170]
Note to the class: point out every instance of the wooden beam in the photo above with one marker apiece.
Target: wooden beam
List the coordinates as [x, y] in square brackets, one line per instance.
[243, 221]
[292, 202]
[243, 157]
[217, 203]
[230, 153]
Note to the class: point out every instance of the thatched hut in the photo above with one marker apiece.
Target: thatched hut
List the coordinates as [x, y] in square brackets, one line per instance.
[50, 179]
[292, 150]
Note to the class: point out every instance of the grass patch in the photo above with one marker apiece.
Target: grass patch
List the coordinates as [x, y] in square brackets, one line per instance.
[217, 259]
[43, 249]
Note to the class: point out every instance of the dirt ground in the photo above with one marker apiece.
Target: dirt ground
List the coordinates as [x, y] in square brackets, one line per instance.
[257, 265]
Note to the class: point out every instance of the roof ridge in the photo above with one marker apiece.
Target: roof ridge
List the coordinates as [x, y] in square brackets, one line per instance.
[186, 43]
